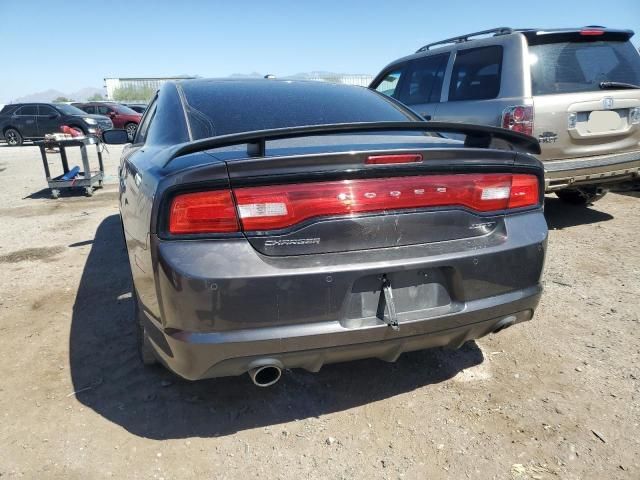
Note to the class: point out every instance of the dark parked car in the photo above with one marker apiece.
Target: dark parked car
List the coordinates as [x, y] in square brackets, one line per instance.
[278, 224]
[32, 121]
[121, 115]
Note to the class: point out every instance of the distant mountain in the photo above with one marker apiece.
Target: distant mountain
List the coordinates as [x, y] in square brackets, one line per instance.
[49, 95]
[46, 96]
[84, 94]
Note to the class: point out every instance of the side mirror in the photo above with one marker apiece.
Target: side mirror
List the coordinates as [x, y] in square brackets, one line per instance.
[115, 137]
[112, 114]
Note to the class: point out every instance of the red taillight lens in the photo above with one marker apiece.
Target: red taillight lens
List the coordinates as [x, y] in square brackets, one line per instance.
[276, 207]
[518, 118]
[392, 159]
[282, 206]
[203, 212]
[524, 191]
[591, 32]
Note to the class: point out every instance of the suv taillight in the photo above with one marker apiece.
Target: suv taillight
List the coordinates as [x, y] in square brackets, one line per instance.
[277, 207]
[518, 118]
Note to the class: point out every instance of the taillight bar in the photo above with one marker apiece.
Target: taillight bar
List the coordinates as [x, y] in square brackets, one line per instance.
[277, 207]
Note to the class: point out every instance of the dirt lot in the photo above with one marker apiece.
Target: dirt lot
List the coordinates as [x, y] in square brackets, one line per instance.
[558, 397]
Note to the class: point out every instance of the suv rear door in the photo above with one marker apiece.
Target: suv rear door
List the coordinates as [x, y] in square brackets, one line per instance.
[574, 115]
[474, 85]
[25, 120]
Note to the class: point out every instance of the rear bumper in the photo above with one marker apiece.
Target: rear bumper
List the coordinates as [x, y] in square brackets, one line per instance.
[224, 308]
[205, 355]
[600, 169]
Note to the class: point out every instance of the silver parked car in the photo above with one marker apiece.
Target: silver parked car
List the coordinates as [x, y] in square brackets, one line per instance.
[576, 90]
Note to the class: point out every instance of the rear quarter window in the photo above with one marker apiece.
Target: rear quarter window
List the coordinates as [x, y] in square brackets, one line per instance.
[390, 82]
[476, 74]
[568, 67]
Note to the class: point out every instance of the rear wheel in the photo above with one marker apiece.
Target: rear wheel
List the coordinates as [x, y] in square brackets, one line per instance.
[13, 137]
[582, 195]
[131, 129]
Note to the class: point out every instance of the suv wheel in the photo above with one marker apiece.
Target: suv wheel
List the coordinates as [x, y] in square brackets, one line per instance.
[13, 137]
[131, 129]
[582, 195]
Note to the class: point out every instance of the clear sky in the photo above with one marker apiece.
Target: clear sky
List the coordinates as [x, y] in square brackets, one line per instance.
[71, 45]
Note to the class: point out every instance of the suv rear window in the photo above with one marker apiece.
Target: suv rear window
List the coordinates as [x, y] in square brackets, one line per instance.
[476, 74]
[580, 66]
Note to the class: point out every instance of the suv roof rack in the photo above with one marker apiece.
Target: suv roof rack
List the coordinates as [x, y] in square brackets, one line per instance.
[465, 38]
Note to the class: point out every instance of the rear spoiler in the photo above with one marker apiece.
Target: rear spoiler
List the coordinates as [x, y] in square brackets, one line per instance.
[476, 136]
[587, 34]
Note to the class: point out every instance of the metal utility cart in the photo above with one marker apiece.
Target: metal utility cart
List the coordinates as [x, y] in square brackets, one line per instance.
[86, 179]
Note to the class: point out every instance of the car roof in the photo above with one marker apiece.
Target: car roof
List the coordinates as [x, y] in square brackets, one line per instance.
[258, 85]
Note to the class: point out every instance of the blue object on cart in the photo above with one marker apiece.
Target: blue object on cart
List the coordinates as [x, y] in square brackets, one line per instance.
[71, 173]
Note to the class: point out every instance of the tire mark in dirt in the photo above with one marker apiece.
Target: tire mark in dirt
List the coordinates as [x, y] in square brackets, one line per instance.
[57, 206]
[31, 254]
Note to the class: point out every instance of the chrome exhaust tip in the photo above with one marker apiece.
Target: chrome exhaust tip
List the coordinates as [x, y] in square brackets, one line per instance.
[265, 375]
[506, 322]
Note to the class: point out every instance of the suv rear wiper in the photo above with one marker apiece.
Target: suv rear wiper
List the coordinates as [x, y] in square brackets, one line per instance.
[613, 85]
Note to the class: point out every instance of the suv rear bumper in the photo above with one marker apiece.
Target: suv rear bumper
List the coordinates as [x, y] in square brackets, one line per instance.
[600, 169]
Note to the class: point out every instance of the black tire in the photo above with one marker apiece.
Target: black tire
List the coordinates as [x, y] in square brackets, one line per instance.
[131, 129]
[13, 137]
[145, 350]
[582, 195]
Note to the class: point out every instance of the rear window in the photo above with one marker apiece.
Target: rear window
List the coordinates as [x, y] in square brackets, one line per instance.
[124, 110]
[225, 107]
[580, 66]
[69, 109]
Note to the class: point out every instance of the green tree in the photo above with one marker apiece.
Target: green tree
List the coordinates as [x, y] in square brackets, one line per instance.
[95, 98]
[133, 94]
[62, 99]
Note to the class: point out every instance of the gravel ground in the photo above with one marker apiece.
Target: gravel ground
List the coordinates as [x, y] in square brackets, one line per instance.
[557, 397]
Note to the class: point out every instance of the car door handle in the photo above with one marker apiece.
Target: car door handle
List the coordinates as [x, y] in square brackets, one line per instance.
[426, 116]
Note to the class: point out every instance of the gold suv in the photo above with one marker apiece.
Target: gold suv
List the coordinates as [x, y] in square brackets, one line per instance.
[576, 90]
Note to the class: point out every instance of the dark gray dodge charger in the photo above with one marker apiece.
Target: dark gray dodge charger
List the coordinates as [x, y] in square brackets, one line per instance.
[285, 224]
